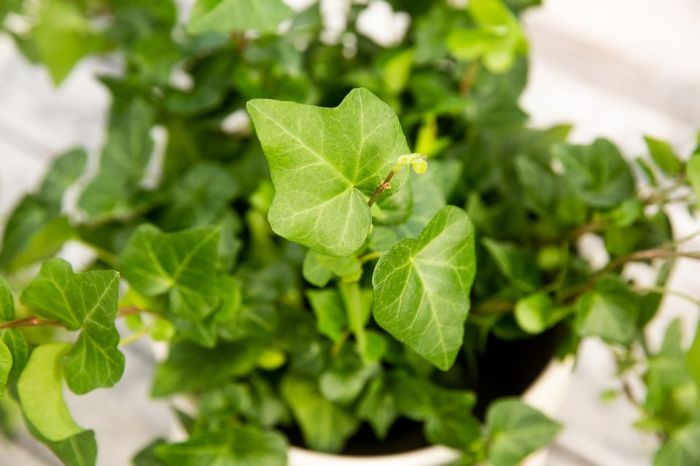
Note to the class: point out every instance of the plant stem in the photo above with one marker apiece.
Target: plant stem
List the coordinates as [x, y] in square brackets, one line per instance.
[31, 321]
[383, 186]
[353, 307]
[369, 257]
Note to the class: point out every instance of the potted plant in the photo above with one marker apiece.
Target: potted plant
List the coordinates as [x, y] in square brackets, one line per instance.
[385, 259]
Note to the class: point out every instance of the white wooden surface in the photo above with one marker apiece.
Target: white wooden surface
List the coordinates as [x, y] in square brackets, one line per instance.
[617, 68]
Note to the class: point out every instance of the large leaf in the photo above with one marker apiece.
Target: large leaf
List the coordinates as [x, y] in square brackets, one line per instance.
[238, 15]
[86, 301]
[237, 446]
[40, 390]
[597, 172]
[182, 264]
[422, 287]
[325, 163]
[325, 426]
[516, 430]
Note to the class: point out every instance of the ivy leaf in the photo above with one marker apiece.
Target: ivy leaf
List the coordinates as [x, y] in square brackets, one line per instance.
[664, 156]
[331, 319]
[77, 450]
[62, 26]
[536, 313]
[318, 268]
[682, 449]
[451, 422]
[16, 343]
[610, 312]
[422, 287]
[36, 228]
[346, 378]
[597, 172]
[7, 301]
[86, 301]
[5, 366]
[516, 430]
[325, 163]
[324, 425]
[377, 406]
[40, 391]
[514, 263]
[190, 367]
[113, 192]
[263, 16]
[182, 264]
[693, 173]
[236, 446]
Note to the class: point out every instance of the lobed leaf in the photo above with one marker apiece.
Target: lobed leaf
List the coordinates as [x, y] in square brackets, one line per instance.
[324, 164]
[86, 301]
[422, 287]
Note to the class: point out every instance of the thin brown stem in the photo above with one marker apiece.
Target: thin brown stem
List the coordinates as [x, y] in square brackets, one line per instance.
[31, 321]
[383, 186]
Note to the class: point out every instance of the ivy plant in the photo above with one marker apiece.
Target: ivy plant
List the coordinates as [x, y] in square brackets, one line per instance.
[340, 237]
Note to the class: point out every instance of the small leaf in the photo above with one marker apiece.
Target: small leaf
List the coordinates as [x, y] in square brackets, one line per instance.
[325, 163]
[190, 367]
[86, 301]
[236, 446]
[318, 268]
[325, 426]
[346, 378]
[597, 172]
[664, 156]
[182, 264]
[693, 173]
[682, 449]
[330, 313]
[515, 263]
[5, 366]
[7, 301]
[422, 287]
[40, 390]
[516, 430]
[238, 15]
[536, 313]
[611, 312]
[377, 407]
[451, 422]
[16, 343]
[77, 450]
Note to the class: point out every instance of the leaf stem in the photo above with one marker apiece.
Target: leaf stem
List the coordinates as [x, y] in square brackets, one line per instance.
[383, 186]
[31, 321]
[369, 257]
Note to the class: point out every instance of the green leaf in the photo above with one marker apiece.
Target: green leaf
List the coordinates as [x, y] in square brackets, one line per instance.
[422, 287]
[36, 229]
[123, 163]
[16, 343]
[7, 301]
[536, 313]
[330, 313]
[693, 173]
[597, 172]
[190, 367]
[451, 422]
[318, 268]
[377, 407]
[236, 446]
[664, 156]
[610, 312]
[682, 449]
[86, 301]
[325, 163]
[238, 15]
[325, 426]
[692, 358]
[516, 430]
[62, 26]
[40, 390]
[515, 263]
[182, 264]
[343, 382]
[77, 450]
[5, 366]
